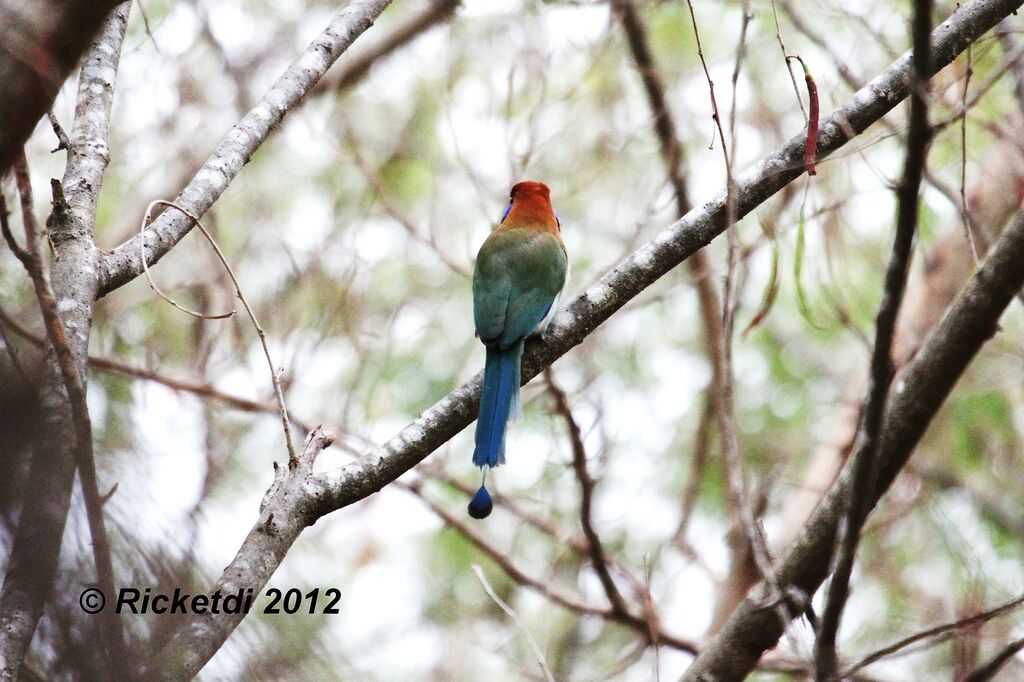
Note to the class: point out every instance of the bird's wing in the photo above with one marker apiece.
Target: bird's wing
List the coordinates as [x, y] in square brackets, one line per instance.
[519, 274]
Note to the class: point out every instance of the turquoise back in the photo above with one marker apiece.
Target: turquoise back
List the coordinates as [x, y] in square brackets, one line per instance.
[519, 273]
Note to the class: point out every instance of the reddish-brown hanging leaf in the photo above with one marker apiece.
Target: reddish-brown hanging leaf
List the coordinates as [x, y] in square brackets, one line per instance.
[811, 144]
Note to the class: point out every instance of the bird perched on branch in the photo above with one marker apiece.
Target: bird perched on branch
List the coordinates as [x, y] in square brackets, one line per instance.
[520, 271]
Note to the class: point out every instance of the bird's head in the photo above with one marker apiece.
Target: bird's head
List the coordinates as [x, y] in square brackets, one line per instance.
[530, 204]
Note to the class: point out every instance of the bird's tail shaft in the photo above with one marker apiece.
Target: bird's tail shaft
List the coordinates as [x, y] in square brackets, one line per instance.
[499, 401]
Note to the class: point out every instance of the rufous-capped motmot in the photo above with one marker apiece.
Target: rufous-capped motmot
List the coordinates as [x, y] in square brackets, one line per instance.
[520, 271]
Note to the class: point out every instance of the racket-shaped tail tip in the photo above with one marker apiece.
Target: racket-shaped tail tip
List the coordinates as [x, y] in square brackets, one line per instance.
[481, 505]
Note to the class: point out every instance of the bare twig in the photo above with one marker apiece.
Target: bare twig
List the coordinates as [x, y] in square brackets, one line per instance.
[203, 389]
[965, 214]
[937, 631]
[542, 587]
[579, 464]
[62, 137]
[865, 461]
[149, 277]
[395, 211]
[785, 58]
[354, 66]
[513, 507]
[993, 665]
[711, 84]
[534, 648]
[746, 519]
[671, 150]
[278, 393]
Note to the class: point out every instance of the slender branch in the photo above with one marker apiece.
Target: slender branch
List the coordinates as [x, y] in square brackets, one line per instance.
[672, 155]
[392, 208]
[938, 630]
[122, 264]
[534, 648]
[520, 577]
[542, 587]
[965, 214]
[711, 84]
[62, 137]
[513, 507]
[992, 667]
[75, 387]
[734, 471]
[274, 379]
[350, 69]
[865, 461]
[786, 59]
[595, 548]
[970, 321]
[203, 389]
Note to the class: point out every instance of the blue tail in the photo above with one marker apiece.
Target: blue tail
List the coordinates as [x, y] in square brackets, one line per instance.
[499, 401]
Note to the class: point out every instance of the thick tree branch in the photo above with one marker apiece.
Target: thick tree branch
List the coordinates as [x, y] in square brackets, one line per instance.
[123, 263]
[319, 494]
[40, 43]
[926, 382]
[338, 488]
[73, 278]
[283, 515]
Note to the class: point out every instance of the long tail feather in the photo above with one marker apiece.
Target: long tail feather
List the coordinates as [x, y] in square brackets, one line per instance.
[500, 396]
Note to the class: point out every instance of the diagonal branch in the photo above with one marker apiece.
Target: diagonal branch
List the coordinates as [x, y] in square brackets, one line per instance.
[541, 586]
[355, 65]
[595, 548]
[935, 632]
[353, 482]
[123, 263]
[672, 155]
[969, 322]
[318, 494]
[991, 668]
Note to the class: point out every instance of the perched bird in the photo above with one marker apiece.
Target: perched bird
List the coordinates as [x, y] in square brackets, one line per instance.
[520, 271]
